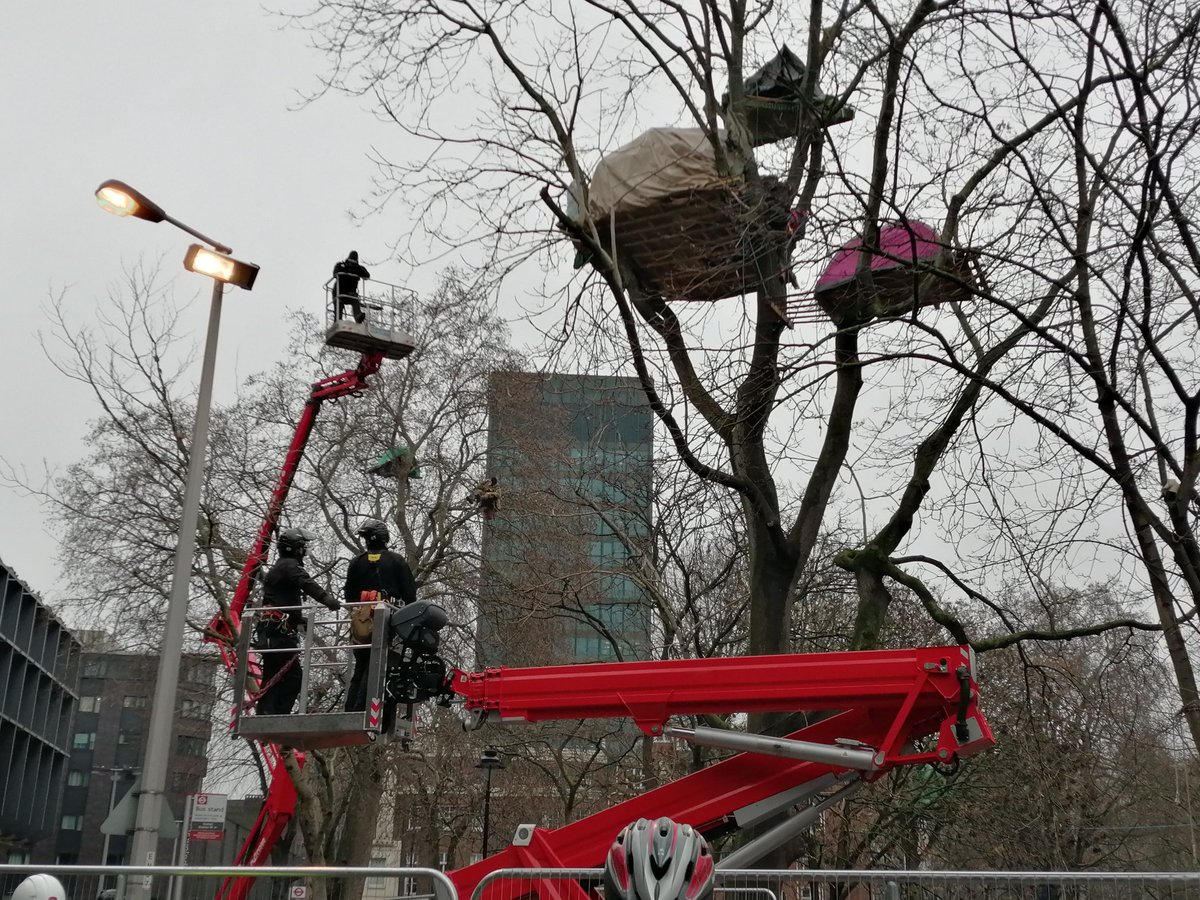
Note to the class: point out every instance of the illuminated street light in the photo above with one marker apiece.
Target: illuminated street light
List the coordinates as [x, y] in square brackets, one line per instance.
[221, 267]
[120, 199]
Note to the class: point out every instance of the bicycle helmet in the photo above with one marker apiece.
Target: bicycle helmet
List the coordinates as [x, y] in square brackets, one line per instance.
[659, 860]
[375, 533]
[293, 542]
[40, 887]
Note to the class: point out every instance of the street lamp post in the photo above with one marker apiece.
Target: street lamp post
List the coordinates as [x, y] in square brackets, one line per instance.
[120, 199]
[115, 774]
[488, 760]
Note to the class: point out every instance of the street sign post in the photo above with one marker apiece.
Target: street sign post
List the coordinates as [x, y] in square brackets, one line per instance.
[208, 817]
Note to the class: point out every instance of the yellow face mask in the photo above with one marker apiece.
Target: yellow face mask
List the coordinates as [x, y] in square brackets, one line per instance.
[374, 557]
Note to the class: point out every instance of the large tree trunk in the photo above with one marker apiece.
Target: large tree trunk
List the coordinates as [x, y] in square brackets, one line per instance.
[312, 809]
[362, 819]
[772, 576]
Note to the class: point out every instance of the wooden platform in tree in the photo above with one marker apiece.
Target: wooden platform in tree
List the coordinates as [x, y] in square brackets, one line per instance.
[895, 292]
[701, 245]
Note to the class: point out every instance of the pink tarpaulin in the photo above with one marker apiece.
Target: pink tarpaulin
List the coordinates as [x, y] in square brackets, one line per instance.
[900, 244]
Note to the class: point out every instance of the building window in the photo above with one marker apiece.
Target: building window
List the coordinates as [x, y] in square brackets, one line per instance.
[18, 857]
[191, 746]
[125, 738]
[133, 701]
[95, 668]
[591, 648]
[89, 704]
[198, 673]
[78, 778]
[619, 587]
[72, 823]
[618, 617]
[195, 709]
[608, 553]
[84, 740]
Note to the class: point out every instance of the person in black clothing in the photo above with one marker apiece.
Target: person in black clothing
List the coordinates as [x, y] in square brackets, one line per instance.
[285, 584]
[347, 273]
[384, 573]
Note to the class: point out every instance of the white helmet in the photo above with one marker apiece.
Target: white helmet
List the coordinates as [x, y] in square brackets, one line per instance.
[40, 887]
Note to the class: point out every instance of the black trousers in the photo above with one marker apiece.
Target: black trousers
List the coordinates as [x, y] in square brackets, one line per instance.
[280, 697]
[356, 693]
[355, 304]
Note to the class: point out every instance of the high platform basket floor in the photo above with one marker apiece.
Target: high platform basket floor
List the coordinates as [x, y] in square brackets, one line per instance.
[388, 312]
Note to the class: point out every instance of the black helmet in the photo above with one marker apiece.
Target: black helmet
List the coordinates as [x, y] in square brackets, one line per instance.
[293, 541]
[374, 532]
[659, 860]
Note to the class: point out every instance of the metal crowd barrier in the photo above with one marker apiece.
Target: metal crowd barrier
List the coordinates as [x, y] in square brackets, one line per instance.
[380, 883]
[204, 882]
[806, 884]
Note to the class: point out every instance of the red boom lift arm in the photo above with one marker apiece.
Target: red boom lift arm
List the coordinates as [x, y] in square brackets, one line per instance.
[280, 803]
[891, 708]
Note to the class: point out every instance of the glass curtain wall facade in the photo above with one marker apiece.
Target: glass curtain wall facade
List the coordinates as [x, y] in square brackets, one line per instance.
[565, 555]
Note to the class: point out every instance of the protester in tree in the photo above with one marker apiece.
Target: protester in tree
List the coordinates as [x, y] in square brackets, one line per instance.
[487, 497]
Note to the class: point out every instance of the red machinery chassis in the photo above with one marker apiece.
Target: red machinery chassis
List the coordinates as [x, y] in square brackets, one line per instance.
[884, 709]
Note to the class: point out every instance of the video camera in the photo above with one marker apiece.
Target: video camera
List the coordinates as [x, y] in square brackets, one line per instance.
[414, 670]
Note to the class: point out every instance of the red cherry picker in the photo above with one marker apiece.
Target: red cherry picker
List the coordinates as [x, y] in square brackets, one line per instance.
[874, 712]
[870, 712]
[381, 336]
[884, 709]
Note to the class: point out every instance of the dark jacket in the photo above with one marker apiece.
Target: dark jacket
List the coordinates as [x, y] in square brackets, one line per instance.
[285, 584]
[385, 571]
[348, 272]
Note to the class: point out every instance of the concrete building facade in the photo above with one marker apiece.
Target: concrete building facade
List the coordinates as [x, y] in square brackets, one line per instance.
[39, 666]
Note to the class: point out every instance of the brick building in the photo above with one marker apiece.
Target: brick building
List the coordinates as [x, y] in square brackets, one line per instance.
[116, 690]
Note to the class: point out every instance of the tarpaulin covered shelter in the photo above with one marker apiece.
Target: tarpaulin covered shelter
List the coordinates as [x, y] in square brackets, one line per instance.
[678, 227]
[684, 232]
[774, 103]
[902, 271]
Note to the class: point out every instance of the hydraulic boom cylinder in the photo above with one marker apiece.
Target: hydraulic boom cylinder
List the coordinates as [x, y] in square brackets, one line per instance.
[865, 760]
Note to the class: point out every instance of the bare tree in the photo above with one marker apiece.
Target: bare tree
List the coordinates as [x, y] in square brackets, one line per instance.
[940, 131]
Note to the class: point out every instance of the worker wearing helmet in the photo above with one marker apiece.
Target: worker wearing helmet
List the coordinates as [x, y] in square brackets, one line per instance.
[375, 574]
[40, 887]
[285, 585]
[346, 276]
[659, 860]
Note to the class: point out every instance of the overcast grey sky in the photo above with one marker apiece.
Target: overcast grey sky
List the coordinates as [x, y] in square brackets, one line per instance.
[196, 106]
